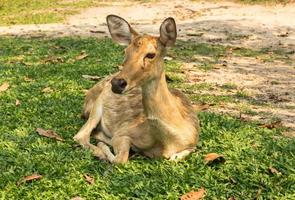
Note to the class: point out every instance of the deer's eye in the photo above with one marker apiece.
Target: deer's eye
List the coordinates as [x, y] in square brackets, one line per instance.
[150, 55]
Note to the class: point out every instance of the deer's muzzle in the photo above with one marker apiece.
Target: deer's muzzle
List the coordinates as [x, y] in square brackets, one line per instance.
[118, 85]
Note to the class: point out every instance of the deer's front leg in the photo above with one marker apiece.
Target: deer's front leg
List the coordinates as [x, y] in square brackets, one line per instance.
[121, 145]
[83, 136]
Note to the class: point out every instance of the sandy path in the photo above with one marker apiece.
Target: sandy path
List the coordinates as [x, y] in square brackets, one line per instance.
[250, 26]
[224, 23]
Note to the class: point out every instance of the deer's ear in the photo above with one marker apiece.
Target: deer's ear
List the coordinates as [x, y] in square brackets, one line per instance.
[168, 32]
[120, 30]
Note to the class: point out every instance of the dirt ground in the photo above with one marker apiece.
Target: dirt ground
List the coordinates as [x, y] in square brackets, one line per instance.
[249, 26]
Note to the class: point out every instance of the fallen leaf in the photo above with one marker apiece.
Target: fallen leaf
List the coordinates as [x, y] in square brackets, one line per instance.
[97, 31]
[17, 102]
[53, 60]
[274, 171]
[89, 179]
[49, 134]
[232, 198]
[93, 78]
[81, 56]
[272, 125]
[29, 178]
[194, 195]
[214, 158]
[77, 198]
[4, 87]
[47, 90]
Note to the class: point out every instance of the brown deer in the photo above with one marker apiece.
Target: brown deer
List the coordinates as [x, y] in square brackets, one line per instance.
[134, 108]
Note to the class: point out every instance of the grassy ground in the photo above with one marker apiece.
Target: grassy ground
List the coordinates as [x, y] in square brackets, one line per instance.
[40, 11]
[30, 65]
[53, 11]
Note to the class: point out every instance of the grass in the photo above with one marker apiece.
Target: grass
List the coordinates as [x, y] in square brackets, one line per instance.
[54, 11]
[40, 11]
[30, 65]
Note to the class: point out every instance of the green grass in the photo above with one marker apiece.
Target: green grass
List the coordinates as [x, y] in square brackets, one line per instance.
[249, 150]
[40, 11]
[54, 11]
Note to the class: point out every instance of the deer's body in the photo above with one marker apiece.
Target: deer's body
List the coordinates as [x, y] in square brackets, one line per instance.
[135, 108]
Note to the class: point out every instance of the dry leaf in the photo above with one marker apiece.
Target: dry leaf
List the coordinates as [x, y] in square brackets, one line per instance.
[97, 31]
[47, 90]
[49, 134]
[77, 198]
[53, 60]
[89, 179]
[81, 56]
[194, 195]
[274, 171]
[4, 87]
[29, 178]
[17, 102]
[93, 78]
[213, 158]
[272, 125]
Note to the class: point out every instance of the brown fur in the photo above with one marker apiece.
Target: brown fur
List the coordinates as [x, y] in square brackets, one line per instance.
[157, 121]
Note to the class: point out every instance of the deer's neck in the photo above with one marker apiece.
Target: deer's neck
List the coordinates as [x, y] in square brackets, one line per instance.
[157, 99]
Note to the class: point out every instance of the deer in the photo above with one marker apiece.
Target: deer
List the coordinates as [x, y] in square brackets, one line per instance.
[134, 108]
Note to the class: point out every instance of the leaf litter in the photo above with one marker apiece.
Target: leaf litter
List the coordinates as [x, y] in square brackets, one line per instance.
[194, 195]
[29, 178]
[49, 134]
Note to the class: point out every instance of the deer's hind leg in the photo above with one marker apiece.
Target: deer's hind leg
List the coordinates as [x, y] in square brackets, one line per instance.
[181, 155]
[91, 96]
[103, 142]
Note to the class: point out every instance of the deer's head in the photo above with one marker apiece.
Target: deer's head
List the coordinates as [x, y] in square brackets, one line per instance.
[144, 53]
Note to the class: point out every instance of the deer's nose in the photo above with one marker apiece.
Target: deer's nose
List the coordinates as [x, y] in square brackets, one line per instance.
[118, 85]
